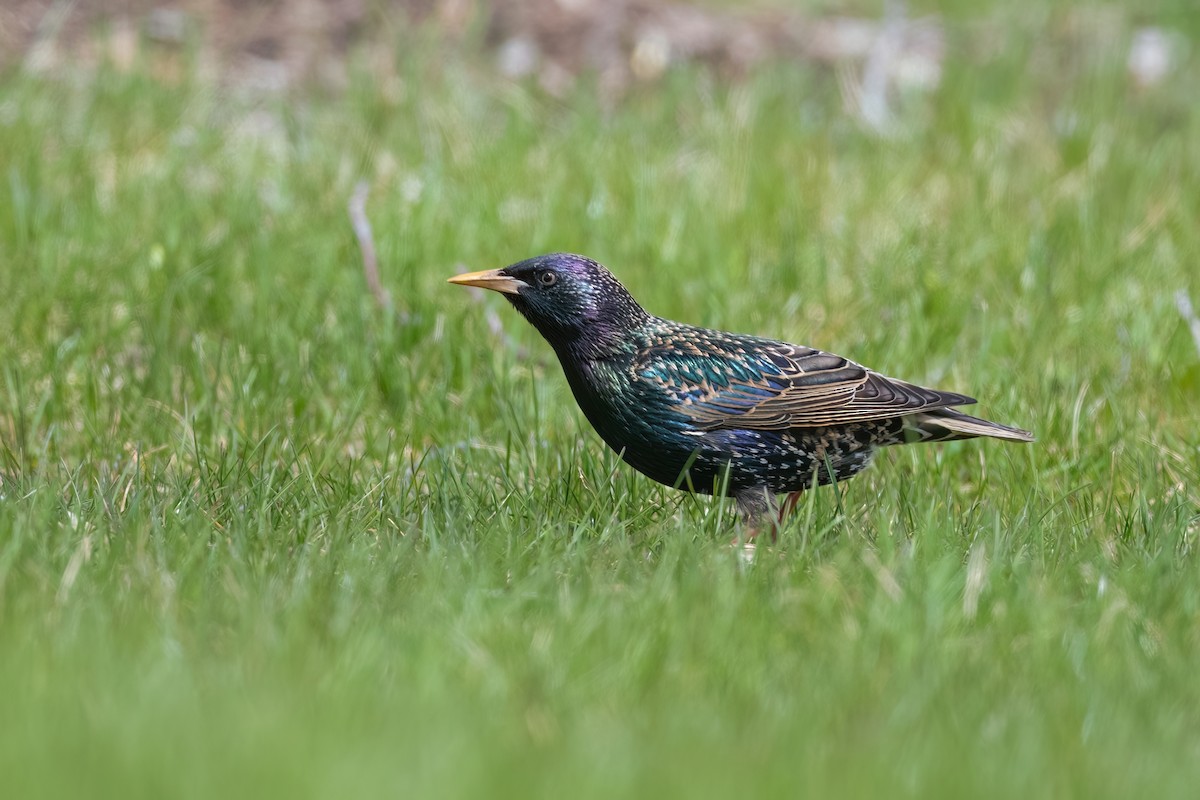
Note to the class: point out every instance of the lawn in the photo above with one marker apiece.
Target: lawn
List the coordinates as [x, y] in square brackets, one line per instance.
[260, 536]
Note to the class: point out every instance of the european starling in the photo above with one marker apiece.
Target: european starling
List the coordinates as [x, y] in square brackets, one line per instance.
[710, 411]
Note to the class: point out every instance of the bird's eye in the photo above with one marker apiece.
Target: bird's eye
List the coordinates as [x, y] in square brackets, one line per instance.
[547, 278]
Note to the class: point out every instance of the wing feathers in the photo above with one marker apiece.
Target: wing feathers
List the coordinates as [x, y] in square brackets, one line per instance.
[765, 385]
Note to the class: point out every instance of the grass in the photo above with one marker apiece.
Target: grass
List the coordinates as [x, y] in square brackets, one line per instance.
[259, 537]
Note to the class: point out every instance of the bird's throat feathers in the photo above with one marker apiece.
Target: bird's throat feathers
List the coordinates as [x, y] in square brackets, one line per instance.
[585, 334]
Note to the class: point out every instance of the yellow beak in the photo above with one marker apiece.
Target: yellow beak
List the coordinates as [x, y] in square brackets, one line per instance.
[490, 279]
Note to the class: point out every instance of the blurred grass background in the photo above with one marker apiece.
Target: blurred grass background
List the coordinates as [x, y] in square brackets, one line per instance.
[259, 536]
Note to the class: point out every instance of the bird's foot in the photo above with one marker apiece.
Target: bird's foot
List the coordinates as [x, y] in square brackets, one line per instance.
[753, 529]
[768, 520]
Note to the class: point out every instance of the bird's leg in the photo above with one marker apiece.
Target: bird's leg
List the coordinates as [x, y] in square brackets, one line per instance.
[789, 505]
[759, 513]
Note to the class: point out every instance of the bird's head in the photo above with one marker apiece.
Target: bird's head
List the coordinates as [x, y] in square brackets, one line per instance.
[571, 300]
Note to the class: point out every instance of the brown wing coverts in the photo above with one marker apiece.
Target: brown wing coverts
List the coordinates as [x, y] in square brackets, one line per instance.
[783, 386]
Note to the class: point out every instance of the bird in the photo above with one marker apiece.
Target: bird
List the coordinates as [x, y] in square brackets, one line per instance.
[713, 412]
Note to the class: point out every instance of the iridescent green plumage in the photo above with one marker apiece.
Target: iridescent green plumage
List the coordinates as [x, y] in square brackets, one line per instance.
[708, 410]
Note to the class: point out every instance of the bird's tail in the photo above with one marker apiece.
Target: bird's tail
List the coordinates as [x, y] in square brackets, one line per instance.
[946, 424]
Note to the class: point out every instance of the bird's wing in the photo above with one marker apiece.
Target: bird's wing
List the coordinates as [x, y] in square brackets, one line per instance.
[721, 381]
